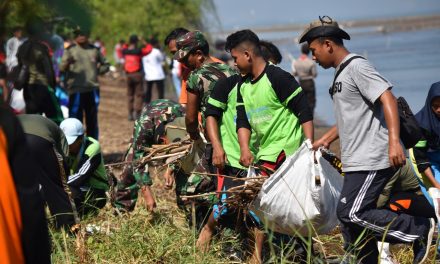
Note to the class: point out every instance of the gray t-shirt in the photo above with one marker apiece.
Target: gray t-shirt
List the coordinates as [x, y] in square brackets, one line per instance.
[359, 116]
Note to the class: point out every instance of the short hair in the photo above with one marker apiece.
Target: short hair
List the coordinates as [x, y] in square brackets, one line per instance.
[175, 34]
[270, 52]
[34, 26]
[336, 40]
[242, 36]
[16, 29]
[154, 41]
[305, 48]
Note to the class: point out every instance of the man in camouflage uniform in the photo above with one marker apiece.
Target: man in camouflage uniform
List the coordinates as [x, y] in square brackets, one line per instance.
[148, 130]
[193, 52]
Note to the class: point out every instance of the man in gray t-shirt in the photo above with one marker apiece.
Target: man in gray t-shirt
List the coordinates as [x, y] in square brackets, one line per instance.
[368, 128]
[360, 117]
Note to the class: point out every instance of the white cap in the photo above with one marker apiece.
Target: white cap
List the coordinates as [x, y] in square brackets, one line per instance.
[72, 128]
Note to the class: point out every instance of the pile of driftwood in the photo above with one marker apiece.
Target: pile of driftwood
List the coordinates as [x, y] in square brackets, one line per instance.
[243, 195]
[166, 154]
[240, 196]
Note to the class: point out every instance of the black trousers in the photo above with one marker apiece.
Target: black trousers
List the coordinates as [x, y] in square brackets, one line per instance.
[80, 103]
[360, 219]
[52, 177]
[160, 85]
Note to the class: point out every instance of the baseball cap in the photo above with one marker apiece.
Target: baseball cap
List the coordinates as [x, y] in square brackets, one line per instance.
[325, 26]
[188, 42]
[72, 129]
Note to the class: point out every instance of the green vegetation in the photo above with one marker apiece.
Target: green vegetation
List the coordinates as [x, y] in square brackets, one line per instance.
[110, 20]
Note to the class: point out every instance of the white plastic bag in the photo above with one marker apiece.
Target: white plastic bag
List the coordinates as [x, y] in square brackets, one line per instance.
[17, 101]
[293, 197]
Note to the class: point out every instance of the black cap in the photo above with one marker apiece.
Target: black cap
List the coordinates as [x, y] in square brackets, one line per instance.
[325, 26]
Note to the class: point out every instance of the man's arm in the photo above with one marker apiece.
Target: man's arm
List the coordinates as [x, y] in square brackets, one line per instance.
[329, 137]
[218, 156]
[191, 118]
[103, 66]
[66, 60]
[308, 130]
[85, 171]
[243, 132]
[395, 151]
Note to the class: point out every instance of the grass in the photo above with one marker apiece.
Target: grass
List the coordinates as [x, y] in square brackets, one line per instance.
[164, 237]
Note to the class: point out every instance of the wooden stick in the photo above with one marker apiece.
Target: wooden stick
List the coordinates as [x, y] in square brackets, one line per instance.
[117, 163]
[176, 127]
[197, 195]
[164, 156]
[230, 177]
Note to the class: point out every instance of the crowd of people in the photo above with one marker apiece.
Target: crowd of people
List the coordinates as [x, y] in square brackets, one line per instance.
[246, 113]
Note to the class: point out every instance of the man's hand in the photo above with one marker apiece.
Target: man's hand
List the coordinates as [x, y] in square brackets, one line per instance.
[169, 178]
[149, 201]
[320, 143]
[219, 157]
[246, 158]
[329, 137]
[396, 155]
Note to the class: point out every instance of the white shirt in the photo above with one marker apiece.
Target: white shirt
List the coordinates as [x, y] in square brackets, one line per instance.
[153, 65]
[11, 51]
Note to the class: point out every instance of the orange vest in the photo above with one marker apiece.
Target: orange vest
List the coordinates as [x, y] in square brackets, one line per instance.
[10, 217]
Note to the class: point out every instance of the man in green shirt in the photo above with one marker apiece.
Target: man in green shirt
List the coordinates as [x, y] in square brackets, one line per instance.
[270, 103]
[87, 178]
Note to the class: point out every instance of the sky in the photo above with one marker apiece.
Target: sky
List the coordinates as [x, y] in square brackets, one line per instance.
[239, 14]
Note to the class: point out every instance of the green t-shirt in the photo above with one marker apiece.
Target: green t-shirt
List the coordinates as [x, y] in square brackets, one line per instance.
[203, 79]
[222, 105]
[274, 107]
[87, 169]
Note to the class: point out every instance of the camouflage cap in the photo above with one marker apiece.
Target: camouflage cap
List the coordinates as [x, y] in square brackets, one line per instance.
[188, 42]
[325, 26]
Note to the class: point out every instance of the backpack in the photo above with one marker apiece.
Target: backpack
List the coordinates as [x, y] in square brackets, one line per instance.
[410, 132]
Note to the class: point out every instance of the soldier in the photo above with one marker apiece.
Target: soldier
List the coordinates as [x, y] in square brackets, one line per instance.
[148, 130]
[193, 52]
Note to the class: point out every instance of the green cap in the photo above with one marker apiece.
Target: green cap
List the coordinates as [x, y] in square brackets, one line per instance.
[188, 42]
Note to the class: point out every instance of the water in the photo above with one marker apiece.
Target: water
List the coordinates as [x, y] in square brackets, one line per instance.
[409, 60]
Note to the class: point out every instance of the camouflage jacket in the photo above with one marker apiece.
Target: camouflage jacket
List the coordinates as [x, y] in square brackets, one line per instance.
[147, 130]
[202, 81]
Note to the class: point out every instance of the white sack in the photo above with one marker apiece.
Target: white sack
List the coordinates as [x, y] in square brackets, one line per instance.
[292, 196]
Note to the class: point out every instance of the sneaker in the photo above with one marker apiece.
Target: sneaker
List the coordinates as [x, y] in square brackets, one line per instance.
[421, 245]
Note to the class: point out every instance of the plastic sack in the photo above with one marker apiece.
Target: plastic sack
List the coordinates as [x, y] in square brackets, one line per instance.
[17, 101]
[435, 195]
[300, 192]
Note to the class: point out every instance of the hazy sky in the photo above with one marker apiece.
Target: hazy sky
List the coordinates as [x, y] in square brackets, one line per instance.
[236, 14]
